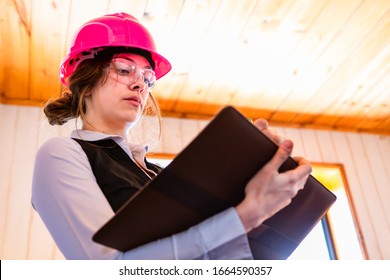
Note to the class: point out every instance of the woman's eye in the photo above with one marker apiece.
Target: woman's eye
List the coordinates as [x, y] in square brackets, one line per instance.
[123, 72]
[124, 69]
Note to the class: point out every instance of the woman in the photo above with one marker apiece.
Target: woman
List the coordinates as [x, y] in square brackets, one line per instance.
[80, 181]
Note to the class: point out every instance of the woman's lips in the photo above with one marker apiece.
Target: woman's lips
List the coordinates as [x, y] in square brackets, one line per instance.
[133, 100]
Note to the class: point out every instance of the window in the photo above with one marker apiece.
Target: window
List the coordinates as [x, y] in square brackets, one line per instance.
[336, 236]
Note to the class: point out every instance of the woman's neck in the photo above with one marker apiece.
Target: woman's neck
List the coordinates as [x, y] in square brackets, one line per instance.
[113, 130]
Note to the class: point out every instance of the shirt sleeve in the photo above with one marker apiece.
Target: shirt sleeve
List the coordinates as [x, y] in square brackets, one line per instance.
[73, 208]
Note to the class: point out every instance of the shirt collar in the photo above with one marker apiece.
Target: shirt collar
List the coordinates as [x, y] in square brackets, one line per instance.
[89, 135]
[136, 150]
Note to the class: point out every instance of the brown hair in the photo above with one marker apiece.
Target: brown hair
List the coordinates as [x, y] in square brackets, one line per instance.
[71, 104]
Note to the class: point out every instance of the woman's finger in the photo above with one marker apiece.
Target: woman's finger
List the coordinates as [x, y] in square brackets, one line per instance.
[262, 125]
[280, 156]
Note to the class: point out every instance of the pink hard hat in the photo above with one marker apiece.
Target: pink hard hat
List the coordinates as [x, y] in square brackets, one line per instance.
[113, 30]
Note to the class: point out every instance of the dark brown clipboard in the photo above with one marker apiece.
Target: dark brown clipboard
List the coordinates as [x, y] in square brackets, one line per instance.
[209, 176]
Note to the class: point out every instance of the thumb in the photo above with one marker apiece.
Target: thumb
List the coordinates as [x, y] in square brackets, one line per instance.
[283, 152]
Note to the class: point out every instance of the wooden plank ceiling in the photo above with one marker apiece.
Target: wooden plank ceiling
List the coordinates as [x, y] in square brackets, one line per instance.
[309, 63]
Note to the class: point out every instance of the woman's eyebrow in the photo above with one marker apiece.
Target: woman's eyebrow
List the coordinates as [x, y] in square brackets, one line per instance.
[132, 60]
[125, 57]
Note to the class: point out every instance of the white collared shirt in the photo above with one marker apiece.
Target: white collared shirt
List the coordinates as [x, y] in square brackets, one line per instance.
[73, 208]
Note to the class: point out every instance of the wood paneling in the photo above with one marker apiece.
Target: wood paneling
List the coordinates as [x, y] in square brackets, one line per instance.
[320, 64]
[365, 158]
[15, 33]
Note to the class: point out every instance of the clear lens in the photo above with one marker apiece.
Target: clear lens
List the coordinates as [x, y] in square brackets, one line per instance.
[128, 72]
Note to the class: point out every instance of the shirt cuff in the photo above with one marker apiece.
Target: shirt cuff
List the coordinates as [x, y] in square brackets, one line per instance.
[220, 237]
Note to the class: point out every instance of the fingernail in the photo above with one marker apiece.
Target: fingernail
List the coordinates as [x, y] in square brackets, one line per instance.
[288, 145]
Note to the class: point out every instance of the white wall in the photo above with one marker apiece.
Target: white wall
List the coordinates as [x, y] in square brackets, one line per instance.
[365, 157]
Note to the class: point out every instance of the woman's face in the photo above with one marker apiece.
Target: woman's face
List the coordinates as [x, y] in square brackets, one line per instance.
[122, 98]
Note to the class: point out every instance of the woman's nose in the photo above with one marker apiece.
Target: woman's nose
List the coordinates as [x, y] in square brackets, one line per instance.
[139, 83]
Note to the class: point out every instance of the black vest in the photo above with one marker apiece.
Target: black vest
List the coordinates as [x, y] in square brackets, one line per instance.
[117, 175]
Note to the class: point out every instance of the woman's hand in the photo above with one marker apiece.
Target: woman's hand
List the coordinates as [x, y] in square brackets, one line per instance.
[262, 125]
[270, 191]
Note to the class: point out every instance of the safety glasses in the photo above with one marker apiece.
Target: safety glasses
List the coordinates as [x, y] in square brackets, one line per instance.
[127, 72]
